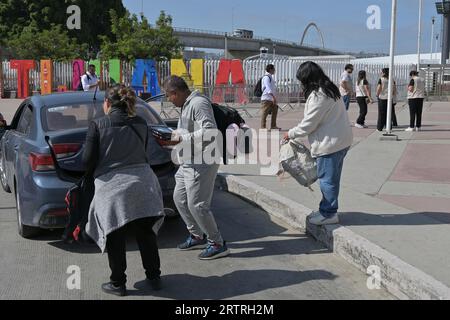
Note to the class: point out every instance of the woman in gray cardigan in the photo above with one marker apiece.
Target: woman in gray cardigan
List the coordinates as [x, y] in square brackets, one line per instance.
[327, 126]
[127, 192]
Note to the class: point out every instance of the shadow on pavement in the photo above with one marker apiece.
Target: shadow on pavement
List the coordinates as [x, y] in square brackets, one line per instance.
[408, 219]
[236, 283]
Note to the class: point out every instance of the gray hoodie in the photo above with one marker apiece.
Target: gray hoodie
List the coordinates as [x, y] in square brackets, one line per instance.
[197, 123]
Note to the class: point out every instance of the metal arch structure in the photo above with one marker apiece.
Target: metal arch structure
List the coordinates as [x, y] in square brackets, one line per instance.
[312, 24]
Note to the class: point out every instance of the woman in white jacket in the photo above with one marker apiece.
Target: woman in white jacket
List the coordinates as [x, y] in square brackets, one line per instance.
[327, 126]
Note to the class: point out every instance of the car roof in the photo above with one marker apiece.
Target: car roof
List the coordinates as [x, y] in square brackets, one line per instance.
[66, 98]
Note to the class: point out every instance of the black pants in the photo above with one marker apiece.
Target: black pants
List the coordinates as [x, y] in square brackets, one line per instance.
[415, 112]
[382, 114]
[146, 240]
[362, 102]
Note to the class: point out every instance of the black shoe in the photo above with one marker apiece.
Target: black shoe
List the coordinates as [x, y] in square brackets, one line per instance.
[112, 289]
[155, 283]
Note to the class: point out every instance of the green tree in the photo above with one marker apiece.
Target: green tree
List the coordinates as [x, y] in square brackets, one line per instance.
[133, 39]
[16, 15]
[49, 44]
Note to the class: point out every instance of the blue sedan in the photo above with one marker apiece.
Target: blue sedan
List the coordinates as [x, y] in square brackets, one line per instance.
[27, 168]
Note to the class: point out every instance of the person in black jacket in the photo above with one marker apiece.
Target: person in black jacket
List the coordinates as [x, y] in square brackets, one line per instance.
[127, 192]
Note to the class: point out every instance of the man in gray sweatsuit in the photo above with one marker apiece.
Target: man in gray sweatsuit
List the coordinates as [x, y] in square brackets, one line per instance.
[195, 178]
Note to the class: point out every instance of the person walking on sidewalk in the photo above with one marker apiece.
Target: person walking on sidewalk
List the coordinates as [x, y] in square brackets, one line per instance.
[269, 104]
[416, 95]
[363, 97]
[195, 179]
[89, 80]
[127, 192]
[346, 85]
[382, 95]
[327, 126]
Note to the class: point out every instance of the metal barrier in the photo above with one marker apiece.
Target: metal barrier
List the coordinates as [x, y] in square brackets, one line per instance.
[437, 81]
[285, 80]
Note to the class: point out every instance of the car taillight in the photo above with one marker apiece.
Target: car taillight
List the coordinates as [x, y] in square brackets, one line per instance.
[163, 145]
[65, 150]
[58, 212]
[41, 162]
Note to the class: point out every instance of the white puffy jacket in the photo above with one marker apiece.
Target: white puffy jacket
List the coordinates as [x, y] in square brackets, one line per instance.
[326, 124]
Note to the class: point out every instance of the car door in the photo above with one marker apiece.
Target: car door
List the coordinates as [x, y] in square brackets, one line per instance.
[9, 139]
[21, 128]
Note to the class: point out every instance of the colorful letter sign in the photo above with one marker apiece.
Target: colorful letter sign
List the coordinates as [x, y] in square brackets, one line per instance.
[195, 78]
[46, 76]
[223, 91]
[115, 71]
[23, 67]
[145, 77]
[77, 72]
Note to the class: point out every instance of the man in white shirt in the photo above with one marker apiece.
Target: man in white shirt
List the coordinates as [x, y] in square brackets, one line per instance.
[268, 98]
[89, 80]
[346, 85]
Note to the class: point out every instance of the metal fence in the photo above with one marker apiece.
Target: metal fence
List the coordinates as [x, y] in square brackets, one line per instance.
[437, 81]
[287, 85]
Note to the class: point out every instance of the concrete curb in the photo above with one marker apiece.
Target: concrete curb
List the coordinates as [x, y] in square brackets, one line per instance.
[398, 277]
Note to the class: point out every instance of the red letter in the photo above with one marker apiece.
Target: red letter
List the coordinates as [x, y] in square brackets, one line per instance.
[23, 67]
[223, 88]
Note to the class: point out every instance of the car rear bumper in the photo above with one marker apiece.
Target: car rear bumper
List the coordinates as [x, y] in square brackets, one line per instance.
[43, 198]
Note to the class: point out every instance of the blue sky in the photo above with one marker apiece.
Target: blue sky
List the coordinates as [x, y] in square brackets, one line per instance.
[343, 22]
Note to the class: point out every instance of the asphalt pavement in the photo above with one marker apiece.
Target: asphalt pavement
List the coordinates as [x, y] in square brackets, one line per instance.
[269, 261]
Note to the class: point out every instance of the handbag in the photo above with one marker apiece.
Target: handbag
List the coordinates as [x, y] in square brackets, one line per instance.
[296, 160]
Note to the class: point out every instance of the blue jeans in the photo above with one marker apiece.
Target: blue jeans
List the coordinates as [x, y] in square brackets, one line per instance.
[346, 101]
[329, 169]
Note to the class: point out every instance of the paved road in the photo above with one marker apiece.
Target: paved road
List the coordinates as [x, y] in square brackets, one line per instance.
[269, 261]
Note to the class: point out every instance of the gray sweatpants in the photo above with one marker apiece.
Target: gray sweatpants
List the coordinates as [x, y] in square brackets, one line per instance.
[193, 193]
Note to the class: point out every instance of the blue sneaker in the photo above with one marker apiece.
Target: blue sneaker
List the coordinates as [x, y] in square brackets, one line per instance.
[193, 242]
[214, 251]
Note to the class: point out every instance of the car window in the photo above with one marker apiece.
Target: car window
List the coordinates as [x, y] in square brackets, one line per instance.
[144, 111]
[80, 115]
[24, 125]
[70, 117]
[17, 115]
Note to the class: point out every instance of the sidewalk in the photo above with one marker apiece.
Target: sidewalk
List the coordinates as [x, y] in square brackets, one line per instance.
[394, 203]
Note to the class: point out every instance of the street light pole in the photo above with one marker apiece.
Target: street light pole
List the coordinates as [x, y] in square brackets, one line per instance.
[433, 19]
[419, 34]
[226, 45]
[391, 66]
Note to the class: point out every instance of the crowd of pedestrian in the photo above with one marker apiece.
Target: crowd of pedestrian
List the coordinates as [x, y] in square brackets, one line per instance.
[127, 193]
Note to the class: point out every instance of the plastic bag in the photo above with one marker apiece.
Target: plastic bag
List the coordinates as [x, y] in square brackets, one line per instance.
[296, 160]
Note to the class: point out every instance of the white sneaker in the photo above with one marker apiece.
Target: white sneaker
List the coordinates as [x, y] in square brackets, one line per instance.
[357, 125]
[313, 214]
[417, 129]
[409, 129]
[320, 220]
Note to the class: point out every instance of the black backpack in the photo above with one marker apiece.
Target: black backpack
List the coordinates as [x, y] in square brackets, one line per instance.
[80, 85]
[258, 89]
[225, 116]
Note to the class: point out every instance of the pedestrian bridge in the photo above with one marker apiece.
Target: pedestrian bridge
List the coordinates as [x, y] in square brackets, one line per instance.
[241, 48]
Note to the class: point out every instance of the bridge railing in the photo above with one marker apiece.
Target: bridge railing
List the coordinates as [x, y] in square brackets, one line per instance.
[259, 38]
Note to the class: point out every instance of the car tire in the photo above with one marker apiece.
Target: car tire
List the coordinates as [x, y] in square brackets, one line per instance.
[3, 181]
[25, 231]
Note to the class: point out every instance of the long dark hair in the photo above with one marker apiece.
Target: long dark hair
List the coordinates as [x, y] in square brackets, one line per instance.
[313, 78]
[385, 72]
[362, 76]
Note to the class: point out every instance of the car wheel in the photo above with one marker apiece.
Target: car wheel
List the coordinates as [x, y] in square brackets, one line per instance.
[3, 175]
[26, 232]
